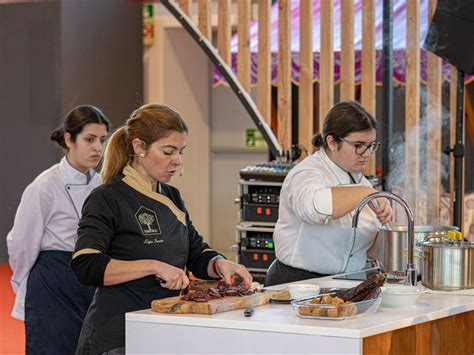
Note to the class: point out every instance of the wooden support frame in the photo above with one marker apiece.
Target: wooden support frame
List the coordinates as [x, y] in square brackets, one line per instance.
[434, 124]
[412, 108]
[264, 78]
[224, 30]
[204, 18]
[305, 103]
[326, 60]
[243, 55]
[185, 5]
[347, 50]
[368, 67]
[284, 74]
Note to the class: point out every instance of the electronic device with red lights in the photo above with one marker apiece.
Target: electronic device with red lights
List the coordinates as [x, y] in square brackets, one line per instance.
[259, 201]
[259, 198]
[255, 247]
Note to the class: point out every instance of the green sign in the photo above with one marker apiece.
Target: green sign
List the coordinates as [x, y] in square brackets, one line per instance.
[147, 11]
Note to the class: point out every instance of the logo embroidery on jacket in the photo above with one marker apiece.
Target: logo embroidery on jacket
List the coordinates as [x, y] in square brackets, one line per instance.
[148, 221]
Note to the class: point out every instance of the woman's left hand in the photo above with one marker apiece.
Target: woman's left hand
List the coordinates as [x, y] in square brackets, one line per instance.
[227, 269]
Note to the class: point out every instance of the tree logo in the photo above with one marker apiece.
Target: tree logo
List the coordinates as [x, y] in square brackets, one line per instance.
[148, 221]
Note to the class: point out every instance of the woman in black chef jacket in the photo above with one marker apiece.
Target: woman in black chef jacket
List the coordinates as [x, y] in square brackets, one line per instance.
[135, 238]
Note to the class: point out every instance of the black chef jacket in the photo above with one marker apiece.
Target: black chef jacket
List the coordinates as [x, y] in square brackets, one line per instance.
[126, 220]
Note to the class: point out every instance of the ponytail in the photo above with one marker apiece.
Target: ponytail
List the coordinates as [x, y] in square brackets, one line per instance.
[317, 140]
[116, 155]
[148, 123]
[58, 136]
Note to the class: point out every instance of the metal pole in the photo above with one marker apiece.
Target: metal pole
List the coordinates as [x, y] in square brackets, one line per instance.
[458, 152]
[387, 112]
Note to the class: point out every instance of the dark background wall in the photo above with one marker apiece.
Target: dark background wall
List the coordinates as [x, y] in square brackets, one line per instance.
[54, 56]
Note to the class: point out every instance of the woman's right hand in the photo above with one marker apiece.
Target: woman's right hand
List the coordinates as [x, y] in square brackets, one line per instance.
[382, 209]
[173, 277]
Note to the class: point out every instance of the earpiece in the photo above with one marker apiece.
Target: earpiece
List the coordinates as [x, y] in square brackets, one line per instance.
[141, 155]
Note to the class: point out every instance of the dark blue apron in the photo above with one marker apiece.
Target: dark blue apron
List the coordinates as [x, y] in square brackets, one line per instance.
[55, 305]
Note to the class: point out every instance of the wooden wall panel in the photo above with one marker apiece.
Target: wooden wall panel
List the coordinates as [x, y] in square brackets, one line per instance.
[434, 123]
[440, 336]
[368, 66]
[223, 30]
[412, 107]
[284, 74]
[326, 62]
[243, 56]
[204, 18]
[264, 60]
[305, 108]
[347, 50]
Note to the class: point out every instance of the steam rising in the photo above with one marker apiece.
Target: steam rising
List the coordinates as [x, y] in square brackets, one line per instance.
[396, 181]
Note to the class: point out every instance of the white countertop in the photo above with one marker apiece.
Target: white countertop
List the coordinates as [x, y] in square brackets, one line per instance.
[282, 319]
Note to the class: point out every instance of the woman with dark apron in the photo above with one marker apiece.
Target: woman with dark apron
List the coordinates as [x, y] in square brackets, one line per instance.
[313, 235]
[135, 237]
[49, 297]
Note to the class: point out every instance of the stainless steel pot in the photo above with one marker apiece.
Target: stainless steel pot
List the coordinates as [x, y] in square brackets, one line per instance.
[448, 266]
[394, 245]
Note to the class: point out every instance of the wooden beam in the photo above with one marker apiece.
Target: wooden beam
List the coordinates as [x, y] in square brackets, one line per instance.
[284, 74]
[305, 97]
[243, 55]
[452, 133]
[434, 124]
[264, 78]
[223, 30]
[204, 18]
[368, 67]
[347, 50]
[185, 5]
[326, 61]
[412, 108]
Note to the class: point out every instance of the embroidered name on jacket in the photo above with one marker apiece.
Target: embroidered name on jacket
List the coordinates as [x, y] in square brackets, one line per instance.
[148, 221]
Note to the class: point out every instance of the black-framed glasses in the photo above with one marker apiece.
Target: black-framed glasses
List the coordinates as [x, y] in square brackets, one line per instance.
[361, 148]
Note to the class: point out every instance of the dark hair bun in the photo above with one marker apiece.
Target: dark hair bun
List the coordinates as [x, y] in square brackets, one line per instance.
[317, 140]
[58, 136]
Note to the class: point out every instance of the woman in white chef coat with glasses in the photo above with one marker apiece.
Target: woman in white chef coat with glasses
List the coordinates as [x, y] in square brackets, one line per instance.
[313, 235]
[48, 296]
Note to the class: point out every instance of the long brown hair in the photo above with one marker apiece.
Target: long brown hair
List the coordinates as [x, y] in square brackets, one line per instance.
[149, 123]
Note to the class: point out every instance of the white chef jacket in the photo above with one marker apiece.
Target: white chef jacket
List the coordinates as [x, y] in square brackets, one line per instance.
[306, 236]
[47, 219]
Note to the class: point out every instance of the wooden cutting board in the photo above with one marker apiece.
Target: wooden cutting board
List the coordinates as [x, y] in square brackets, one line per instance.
[228, 303]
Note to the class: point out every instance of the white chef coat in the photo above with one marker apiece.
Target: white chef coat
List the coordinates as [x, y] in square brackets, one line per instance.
[47, 219]
[306, 236]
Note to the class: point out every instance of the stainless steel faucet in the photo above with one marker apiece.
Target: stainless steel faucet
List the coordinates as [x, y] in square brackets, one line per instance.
[410, 271]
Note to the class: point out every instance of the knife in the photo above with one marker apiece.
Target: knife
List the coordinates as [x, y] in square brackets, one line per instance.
[184, 291]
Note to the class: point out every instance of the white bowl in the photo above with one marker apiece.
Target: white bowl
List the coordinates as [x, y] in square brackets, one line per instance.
[298, 291]
[396, 296]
